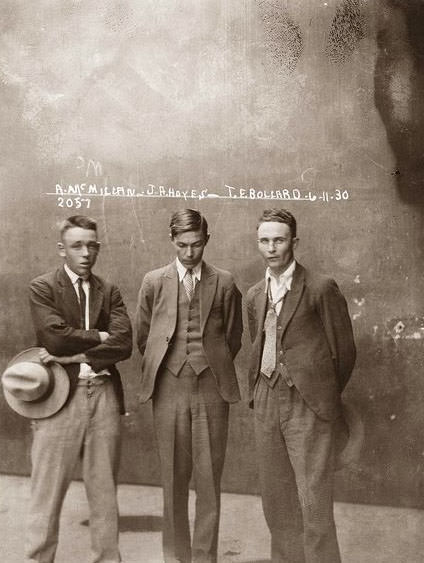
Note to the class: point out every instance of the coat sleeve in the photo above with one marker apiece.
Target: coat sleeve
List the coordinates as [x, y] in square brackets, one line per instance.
[52, 331]
[118, 346]
[338, 328]
[144, 313]
[233, 319]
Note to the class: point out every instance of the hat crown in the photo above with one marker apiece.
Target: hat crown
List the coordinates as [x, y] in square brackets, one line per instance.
[27, 381]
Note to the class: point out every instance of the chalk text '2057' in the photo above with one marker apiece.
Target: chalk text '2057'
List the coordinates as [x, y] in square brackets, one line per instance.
[76, 202]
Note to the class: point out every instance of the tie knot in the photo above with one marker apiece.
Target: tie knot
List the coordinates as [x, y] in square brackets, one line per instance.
[80, 282]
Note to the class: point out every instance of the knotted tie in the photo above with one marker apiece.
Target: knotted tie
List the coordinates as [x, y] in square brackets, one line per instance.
[269, 354]
[82, 302]
[188, 284]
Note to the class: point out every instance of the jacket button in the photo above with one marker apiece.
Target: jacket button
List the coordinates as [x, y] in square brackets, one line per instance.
[167, 339]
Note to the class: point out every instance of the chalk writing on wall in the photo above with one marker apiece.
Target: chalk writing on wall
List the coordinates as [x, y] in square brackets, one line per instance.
[79, 195]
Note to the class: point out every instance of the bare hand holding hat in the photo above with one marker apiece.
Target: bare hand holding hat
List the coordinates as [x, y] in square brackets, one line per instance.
[33, 389]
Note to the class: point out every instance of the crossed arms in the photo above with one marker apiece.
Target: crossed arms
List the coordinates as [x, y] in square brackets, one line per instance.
[65, 344]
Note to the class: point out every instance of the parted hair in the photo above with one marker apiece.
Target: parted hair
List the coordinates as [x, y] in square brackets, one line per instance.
[188, 220]
[81, 221]
[279, 216]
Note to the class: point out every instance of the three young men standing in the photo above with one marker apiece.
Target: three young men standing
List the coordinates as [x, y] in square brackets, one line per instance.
[189, 328]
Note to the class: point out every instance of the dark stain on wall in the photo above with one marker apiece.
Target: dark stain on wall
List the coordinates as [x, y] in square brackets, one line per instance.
[347, 29]
[283, 36]
[399, 86]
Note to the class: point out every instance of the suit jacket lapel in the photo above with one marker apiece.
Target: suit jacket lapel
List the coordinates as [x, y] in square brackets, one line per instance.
[71, 307]
[95, 301]
[292, 298]
[208, 282]
[170, 288]
[260, 303]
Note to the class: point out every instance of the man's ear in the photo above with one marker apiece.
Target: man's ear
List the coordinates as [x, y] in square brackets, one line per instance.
[61, 249]
[295, 242]
[207, 239]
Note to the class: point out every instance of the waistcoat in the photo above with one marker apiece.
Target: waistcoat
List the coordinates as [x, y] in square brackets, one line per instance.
[186, 344]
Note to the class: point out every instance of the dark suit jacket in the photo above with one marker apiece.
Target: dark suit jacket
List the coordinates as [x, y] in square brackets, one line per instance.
[317, 340]
[56, 317]
[220, 319]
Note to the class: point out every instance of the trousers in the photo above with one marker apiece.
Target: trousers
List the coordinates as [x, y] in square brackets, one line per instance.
[87, 427]
[296, 470]
[191, 425]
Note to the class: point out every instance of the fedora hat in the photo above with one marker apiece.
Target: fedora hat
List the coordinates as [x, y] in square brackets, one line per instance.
[349, 437]
[33, 389]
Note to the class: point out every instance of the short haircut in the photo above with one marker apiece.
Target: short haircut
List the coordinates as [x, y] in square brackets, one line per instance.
[278, 216]
[188, 220]
[77, 221]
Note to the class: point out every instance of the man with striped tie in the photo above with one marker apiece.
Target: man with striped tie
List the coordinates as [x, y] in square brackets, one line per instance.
[80, 322]
[189, 328]
[302, 357]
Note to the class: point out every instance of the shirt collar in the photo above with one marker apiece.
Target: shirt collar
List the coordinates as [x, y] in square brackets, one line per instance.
[197, 270]
[285, 278]
[73, 276]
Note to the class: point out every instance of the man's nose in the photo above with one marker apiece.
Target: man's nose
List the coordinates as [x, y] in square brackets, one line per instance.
[189, 251]
[85, 251]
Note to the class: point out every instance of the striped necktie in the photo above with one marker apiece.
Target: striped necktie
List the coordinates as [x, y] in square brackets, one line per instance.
[188, 284]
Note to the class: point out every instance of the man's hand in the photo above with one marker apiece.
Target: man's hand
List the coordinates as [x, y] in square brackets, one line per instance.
[103, 336]
[46, 358]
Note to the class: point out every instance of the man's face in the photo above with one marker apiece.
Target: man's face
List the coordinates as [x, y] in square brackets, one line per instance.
[276, 245]
[189, 247]
[80, 248]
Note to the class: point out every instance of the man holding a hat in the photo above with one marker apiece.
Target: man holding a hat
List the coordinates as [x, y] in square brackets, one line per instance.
[303, 354]
[72, 390]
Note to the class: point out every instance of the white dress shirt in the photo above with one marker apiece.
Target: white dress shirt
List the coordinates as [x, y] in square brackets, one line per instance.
[196, 272]
[86, 371]
[279, 285]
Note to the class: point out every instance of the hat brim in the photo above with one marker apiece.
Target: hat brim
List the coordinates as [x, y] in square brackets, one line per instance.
[349, 437]
[53, 402]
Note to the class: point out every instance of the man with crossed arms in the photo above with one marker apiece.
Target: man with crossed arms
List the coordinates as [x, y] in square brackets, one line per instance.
[302, 357]
[81, 322]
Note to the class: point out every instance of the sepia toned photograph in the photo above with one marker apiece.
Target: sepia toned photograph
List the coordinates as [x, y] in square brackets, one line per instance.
[212, 233]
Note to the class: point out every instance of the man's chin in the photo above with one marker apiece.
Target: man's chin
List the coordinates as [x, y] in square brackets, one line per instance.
[84, 272]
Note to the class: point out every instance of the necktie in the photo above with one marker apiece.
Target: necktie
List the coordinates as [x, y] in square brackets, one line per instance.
[270, 326]
[82, 302]
[188, 284]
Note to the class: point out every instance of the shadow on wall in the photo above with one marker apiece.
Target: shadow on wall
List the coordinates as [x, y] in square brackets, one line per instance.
[399, 86]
